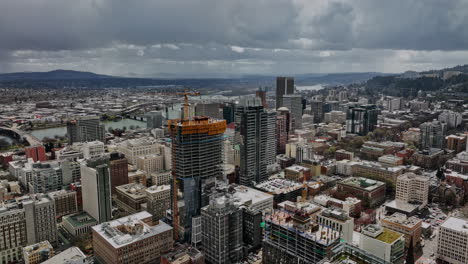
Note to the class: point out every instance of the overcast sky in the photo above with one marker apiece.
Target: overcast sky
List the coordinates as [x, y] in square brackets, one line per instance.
[223, 37]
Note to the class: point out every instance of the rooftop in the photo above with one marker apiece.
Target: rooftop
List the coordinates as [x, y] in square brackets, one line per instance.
[402, 219]
[80, 219]
[362, 183]
[129, 229]
[456, 224]
[310, 230]
[277, 186]
[70, 254]
[156, 189]
[134, 190]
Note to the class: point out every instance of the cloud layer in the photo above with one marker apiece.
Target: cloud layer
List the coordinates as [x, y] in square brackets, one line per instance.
[212, 37]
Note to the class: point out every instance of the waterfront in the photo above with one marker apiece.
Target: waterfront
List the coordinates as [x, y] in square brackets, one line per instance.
[62, 131]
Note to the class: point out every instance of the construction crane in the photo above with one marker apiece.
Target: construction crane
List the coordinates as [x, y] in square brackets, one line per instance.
[186, 94]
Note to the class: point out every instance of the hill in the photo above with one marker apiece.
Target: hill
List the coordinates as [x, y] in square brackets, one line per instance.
[52, 75]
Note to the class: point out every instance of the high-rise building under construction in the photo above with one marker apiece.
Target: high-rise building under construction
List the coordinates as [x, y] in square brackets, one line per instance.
[197, 157]
[256, 129]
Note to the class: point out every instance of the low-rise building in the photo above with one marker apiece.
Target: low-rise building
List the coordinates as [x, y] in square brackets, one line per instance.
[38, 253]
[410, 227]
[337, 220]
[383, 243]
[371, 192]
[297, 173]
[71, 255]
[130, 197]
[376, 171]
[158, 200]
[78, 224]
[281, 189]
[134, 239]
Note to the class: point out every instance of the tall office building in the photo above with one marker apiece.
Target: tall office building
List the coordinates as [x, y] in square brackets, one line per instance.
[85, 128]
[262, 95]
[96, 189]
[228, 112]
[12, 233]
[212, 110]
[197, 159]
[433, 134]
[316, 108]
[28, 220]
[222, 230]
[283, 129]
[361, 120]
[294, 103]
[118, 168]
[256, 129]
[154, 119]
[284, 85]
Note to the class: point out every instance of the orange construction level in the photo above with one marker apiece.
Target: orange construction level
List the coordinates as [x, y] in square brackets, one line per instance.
[197, 125]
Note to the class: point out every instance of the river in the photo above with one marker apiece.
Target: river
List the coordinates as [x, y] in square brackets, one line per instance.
[62, 131]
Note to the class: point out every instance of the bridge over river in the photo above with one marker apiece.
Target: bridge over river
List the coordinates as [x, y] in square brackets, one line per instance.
[20, 135]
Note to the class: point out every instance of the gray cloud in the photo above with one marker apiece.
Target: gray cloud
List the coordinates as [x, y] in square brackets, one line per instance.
[223, 36]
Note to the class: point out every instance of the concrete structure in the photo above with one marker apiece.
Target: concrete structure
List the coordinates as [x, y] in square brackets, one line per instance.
[38, 253]
[284, 126]
[26, 221]
[134, 148]
[281, 189]
[294, 103]
[375, 170]
[85, 128]
[151, 163]
[433, 134]
[256, 130]
[161, 178]
[371, 192]
[183, 254]
[337, 117]
[383, 243]
[456, 143]
[93, 149]
[65, 202]
[337, 220]
[96, 189]
[212, 110]
[222, 231]
[410, 227]
[412, 135]
[71, 255]
[134, 239]
[452, 243]
[158, 200]
[361, 120]
[297, 173]
[412, 188]
[118, 169]
[317, 110]
[390, 160]
[451, 118]
[40, 219]
[294, 238]
[130, 197]
[342, 154]
[78, 224]
[154, 119]
[284, 85]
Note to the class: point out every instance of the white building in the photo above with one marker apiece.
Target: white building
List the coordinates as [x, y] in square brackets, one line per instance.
[383, 243]
[93, 149]
[452, 246]
[135, 148]
[150, 163]
[412, 188]
[338, 220]
[451, 118]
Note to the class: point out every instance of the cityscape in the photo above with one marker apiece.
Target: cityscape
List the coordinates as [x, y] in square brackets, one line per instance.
[223, 160]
